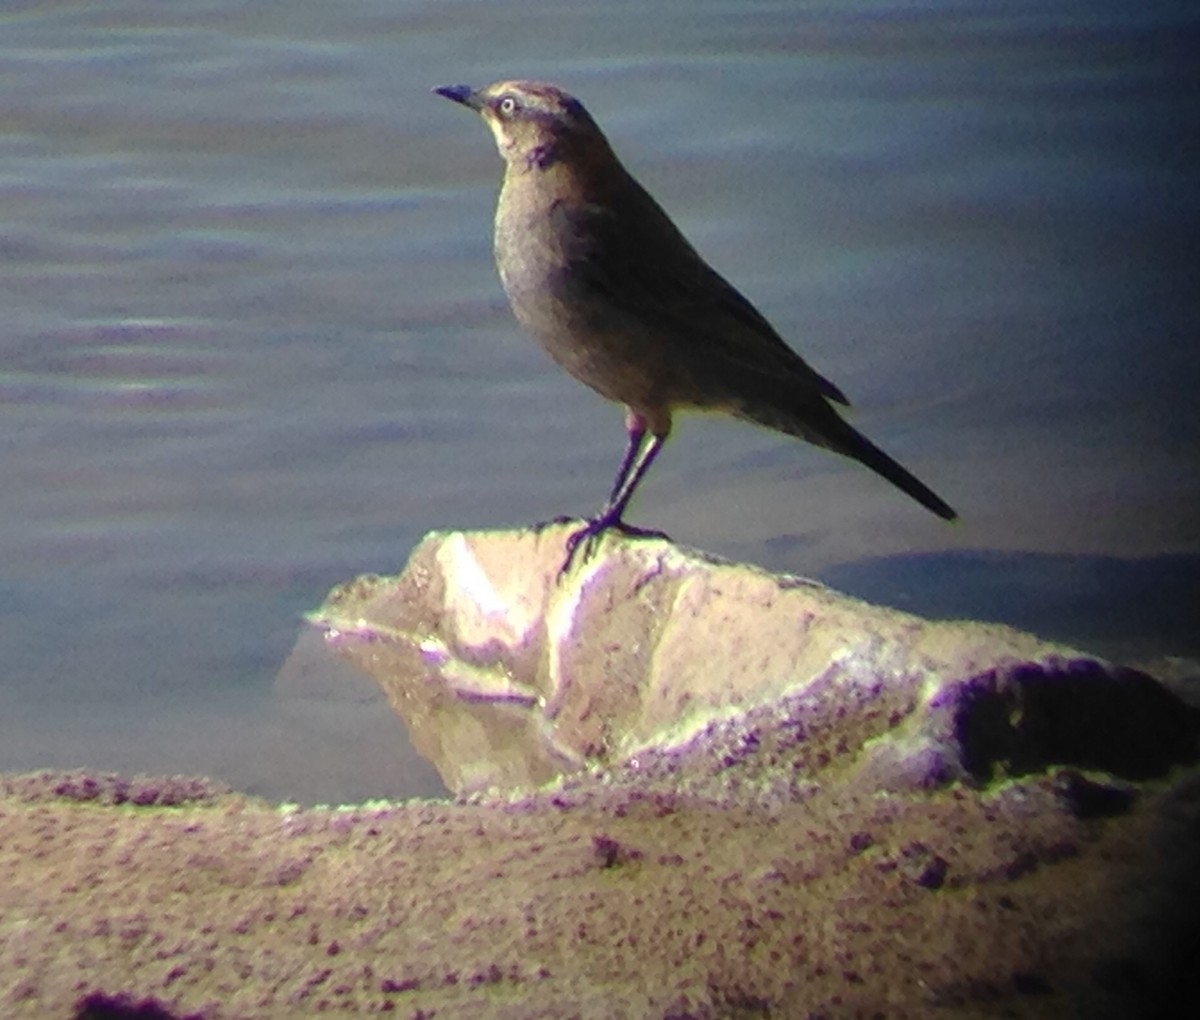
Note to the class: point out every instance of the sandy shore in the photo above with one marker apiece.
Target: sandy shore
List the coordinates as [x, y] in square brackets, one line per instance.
[595, 900]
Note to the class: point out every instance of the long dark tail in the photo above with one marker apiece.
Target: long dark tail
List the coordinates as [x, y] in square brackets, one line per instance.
[814, 419]
[852, 443]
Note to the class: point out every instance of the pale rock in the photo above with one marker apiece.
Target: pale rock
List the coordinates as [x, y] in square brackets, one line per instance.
[509, 676]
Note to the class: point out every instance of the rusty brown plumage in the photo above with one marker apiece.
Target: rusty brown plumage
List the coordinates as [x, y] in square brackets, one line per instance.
[607, 285]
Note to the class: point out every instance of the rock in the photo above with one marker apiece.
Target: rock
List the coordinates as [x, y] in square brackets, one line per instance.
[509, 677]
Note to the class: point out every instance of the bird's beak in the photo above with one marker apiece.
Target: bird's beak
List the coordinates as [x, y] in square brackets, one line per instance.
[461, 94]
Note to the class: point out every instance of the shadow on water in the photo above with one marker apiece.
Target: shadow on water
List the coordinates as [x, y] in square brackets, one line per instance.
[1123, 609]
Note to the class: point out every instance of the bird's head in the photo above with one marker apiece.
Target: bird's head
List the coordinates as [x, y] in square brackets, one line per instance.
[535, 125]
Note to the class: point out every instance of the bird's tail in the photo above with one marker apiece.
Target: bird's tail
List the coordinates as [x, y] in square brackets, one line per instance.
[819, 423]
[849, 441]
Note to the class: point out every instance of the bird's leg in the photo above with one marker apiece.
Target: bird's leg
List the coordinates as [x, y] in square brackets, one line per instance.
[639, 455]
[623, 490]
[635, 432]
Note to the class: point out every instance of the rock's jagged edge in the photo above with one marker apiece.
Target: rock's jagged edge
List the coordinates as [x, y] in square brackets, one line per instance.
[508, 676]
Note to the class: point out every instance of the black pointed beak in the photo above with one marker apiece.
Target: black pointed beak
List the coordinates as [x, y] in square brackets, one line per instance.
[461, 94]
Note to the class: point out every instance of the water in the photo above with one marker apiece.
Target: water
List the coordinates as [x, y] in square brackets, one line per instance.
[253, 343]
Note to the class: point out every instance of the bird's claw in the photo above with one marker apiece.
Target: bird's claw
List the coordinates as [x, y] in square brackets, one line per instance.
[554, 522]
[586, 540]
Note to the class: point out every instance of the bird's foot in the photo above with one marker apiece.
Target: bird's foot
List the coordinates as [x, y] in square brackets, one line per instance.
[586, 540]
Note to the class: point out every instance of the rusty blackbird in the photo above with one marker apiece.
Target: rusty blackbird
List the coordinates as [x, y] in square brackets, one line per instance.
[603, 280]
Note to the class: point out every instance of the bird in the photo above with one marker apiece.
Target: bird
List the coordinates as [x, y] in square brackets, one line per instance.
[602, 279]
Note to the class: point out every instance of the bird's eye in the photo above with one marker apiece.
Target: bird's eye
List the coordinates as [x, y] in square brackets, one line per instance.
[508, 106]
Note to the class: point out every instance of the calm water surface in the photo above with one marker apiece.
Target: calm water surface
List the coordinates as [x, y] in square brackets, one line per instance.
[253, 343]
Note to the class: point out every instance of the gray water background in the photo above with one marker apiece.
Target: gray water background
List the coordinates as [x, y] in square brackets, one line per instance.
[253, 344]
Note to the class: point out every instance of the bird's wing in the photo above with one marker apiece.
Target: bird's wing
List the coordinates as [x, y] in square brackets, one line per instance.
[645, 266]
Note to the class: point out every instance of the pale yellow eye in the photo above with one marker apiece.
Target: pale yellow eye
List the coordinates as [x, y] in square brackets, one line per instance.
[508, 106]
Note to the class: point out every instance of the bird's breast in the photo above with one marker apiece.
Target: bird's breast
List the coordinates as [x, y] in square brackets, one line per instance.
[552, 298]
[533, 265]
